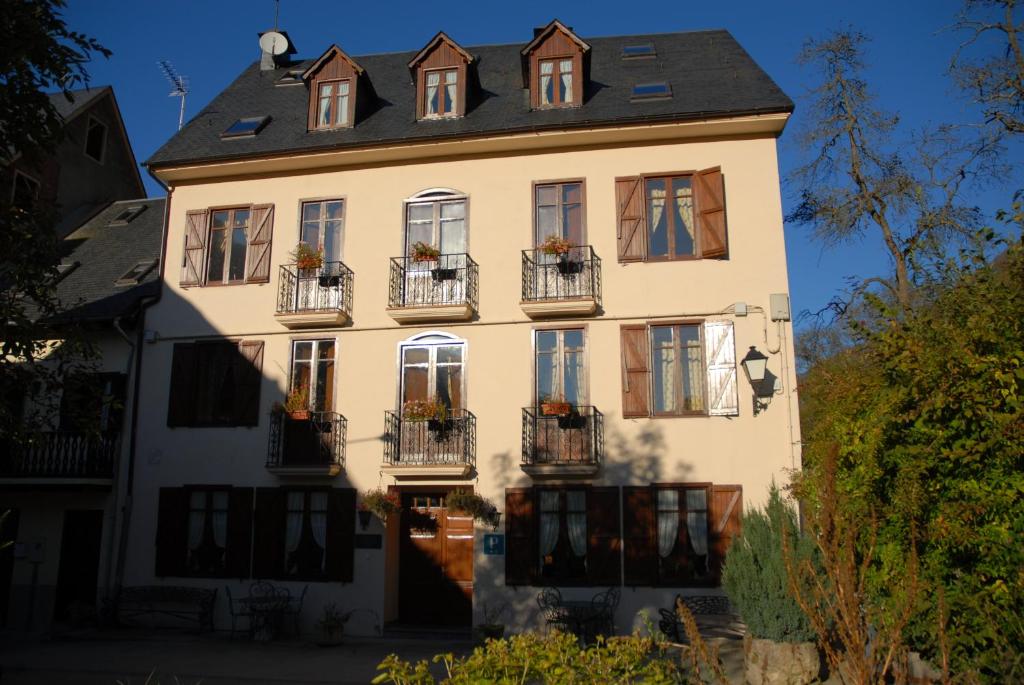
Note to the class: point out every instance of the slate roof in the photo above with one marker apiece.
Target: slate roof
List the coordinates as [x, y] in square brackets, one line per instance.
[80, 99]
[710, 75]
[105, 253]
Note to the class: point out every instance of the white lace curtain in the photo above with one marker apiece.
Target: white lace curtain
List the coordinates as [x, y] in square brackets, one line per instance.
[318, 521]
[450, 78]
[546, 70]
[697, 522]
[293, 522]
[548, 523]
[576, 519]
[565, 69]
[433, 81]
[668, 521]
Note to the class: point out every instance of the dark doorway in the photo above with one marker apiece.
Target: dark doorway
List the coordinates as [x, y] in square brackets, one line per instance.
[435, 579]
[8, 536]
[78, 570]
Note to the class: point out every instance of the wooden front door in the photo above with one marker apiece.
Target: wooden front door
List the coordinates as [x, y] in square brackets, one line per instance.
[435, 562]
[78, 568]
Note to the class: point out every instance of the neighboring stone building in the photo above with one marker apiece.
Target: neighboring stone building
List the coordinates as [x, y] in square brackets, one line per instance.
[539, 266]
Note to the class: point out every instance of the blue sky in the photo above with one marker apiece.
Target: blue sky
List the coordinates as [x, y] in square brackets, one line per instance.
[210, 42]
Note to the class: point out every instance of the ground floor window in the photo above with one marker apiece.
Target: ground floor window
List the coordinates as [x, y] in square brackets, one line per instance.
[204, 531]
[207, 531]
[563, 534]
[306, 534]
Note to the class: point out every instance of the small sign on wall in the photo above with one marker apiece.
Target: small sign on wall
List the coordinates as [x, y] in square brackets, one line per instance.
[494, 544]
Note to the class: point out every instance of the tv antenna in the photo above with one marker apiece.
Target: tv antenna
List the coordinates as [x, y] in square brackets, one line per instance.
[179, 87]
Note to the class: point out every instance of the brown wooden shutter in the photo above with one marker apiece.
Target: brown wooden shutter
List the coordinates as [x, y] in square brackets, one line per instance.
[632, 233]
[181, 403]
[604, 564]
[268, 533]
[638, 534]
[636, 371]
[341, 532]
[709, 192]
[248, 379]
[724, 518]
[238, 558]
[195, 247]
[521, 542]
[259, 237]
[171, 531]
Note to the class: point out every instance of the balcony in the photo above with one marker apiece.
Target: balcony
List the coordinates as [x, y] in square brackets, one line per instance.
[571, 444]
[312, 298]
[442, 289]
[563, 285]
[56, 456]
[314, 446]
[430, 448]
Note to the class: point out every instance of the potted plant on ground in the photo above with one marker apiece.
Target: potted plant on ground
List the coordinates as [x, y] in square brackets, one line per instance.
[492, 628]
[307, 259]
[332, 625]
[555, 405]
[296, 405]
[379, 503]
[424, 252]
[559, 248]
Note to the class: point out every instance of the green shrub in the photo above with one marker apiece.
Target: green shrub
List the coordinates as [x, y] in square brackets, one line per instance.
[754, 574]
[555, 658]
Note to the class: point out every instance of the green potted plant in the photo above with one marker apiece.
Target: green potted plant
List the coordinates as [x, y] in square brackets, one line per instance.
[560, 248]
[379, 503]
[424, 252]
[555, 405]
[468, 502]
[492, 628]
[332, 625]
[433, 412]
[306, 258]
[296, 405]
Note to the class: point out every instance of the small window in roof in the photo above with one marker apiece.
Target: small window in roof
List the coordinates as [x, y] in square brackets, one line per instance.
[246, 126]
[135, 274]
[127, 214]
[638, 51]
[292, 78]
[651, 91]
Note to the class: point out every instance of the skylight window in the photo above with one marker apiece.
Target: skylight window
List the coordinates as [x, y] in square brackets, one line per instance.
[291, 78]
[245, 127]
[126, 215]
[135, 274]
[639, 51]
[651, 91]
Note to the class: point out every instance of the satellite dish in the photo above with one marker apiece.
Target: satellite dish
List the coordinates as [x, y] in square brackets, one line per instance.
[273, 42]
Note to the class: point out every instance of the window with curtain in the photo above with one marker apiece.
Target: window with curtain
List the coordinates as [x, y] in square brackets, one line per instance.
[313, 372]
[227, 246]
[207, 532]
[323, 222]
[333, 104]
[677, 370]
[671, 231]
[563, 534]
[555, 82]
[441, 93]
[559, 212]
[682, 534]
[433, 372]
[437, 219]
[560, 371]
[306, 533]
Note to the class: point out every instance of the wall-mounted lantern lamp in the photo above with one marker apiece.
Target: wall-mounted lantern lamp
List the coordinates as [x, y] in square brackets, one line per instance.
[755, 366]
[494, 518]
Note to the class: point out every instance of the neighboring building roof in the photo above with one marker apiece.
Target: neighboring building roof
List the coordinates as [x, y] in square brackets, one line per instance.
[104, 253]
[710, 76]
[80, 101]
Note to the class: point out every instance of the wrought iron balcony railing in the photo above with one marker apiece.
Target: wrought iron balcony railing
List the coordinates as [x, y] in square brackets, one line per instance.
[451, 279]
[61, 454]
[317, 441]
[328, 288]
[570, 276]
[575, 438]
[430, 442]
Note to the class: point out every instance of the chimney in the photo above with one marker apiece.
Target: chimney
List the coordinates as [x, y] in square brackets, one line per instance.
[275, 50]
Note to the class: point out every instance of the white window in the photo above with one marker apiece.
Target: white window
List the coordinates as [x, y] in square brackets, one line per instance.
[433, 369]
[313, 372]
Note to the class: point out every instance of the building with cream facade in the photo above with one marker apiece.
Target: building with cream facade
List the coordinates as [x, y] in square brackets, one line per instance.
[534, 270]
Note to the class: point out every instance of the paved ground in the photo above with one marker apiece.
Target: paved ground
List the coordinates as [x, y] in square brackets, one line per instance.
[169, 658]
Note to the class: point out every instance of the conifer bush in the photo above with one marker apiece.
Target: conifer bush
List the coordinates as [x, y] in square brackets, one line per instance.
[754, 574]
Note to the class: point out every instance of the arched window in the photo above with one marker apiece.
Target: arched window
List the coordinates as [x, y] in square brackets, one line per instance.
[437, 217]
[433, 368]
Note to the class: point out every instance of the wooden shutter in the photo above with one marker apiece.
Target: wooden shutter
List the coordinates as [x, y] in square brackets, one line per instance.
[709, 192]
[341, 531]
[248, 379]
[639, 546]
[604, 563]
[636, 371]
[238, 557]
[171, 531]
[632, 232]
[195, 247]
[720, 355]
[268, 533]
[521, 542]
[181, 403]
[724, 519]
[259, 237]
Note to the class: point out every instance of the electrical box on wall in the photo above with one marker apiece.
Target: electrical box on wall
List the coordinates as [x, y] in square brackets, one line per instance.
[779, 306]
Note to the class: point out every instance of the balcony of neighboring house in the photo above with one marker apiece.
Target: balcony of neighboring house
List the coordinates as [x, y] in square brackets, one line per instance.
[314, 297]
[418, 446]
[428, 288]
[566, 282]
[560, 439]
[307, 443]
[61, 457]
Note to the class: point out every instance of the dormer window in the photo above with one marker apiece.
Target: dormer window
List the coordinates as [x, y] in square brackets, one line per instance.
[334, 105]
[555, 82]
[555, 66]
[339, 91]
[441, 72]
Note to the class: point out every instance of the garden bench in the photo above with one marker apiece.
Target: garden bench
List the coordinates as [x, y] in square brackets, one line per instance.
[699, 605]
[187, 603]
